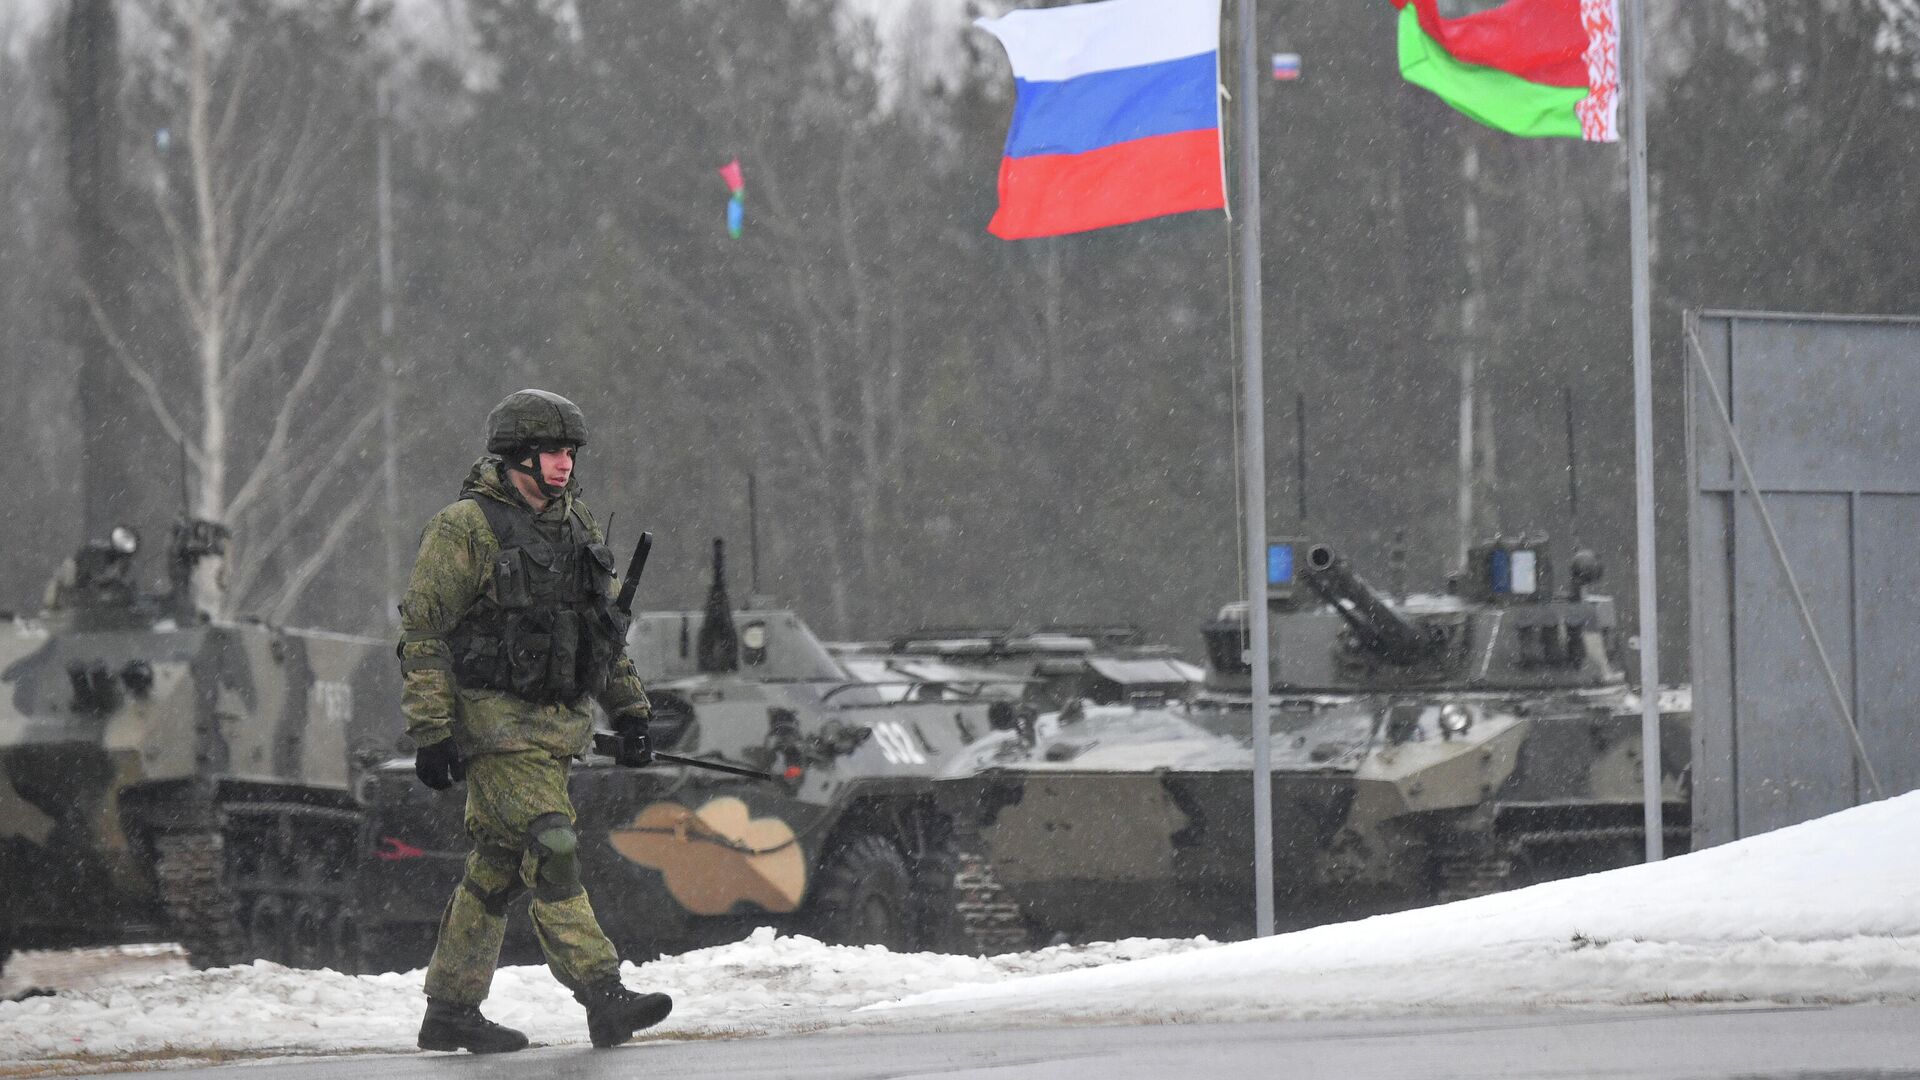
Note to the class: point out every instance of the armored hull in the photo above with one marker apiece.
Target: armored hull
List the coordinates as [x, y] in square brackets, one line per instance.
[163, 777]
[1133, 821]
[844, 844]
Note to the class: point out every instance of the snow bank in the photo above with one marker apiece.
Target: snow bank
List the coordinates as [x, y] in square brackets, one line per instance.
[1828, 911]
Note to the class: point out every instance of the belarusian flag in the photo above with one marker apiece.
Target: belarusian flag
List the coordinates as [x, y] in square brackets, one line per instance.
[1538, 68]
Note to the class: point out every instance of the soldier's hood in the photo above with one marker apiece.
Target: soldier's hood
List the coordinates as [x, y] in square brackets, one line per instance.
[484, 481]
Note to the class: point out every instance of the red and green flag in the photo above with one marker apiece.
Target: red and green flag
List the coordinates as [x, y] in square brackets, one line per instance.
[1537, 68]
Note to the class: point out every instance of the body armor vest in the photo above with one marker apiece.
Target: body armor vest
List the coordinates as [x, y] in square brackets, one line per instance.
[545, 629]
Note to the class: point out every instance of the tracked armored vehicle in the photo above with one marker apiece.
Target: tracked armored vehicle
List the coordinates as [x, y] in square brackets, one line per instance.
[843, 843]
[1425, 748]
[165, 776]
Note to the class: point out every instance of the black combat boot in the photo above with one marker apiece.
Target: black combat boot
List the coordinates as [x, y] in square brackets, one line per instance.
[461, 1027]
[614, 1012]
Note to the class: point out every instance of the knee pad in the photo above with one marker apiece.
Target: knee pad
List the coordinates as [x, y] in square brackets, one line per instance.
[493, 877]
[555, 849]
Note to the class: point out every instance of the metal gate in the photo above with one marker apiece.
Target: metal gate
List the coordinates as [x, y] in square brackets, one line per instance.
[1827, 410]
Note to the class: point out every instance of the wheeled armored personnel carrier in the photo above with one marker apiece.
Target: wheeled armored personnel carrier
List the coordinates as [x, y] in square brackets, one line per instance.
[841, 843]
[167, 776]
[1424, 748]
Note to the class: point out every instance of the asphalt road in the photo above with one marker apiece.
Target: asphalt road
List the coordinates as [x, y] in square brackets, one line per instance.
[1645, 1044]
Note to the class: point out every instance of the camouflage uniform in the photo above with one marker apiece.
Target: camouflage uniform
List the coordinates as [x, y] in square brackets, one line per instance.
[517, 753]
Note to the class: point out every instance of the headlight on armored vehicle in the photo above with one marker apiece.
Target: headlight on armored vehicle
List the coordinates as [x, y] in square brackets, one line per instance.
[124, 539]
[1455, 720]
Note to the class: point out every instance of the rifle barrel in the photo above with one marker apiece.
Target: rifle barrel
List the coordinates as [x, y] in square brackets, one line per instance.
[609, 745]
[636, 567]
[701, 763]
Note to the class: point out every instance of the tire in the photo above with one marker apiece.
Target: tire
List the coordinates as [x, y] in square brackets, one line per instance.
[863, 895]
[942, 928]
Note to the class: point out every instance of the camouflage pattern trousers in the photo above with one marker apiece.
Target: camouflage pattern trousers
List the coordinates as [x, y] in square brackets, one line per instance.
[521, 824]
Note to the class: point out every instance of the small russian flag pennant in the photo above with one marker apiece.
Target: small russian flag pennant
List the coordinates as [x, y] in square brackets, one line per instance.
[1286, 66]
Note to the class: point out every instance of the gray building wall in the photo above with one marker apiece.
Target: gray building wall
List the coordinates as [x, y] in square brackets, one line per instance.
[1828, 410]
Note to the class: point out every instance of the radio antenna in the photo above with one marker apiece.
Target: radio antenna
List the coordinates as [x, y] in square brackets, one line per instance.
[753, 534]
[1573, 468]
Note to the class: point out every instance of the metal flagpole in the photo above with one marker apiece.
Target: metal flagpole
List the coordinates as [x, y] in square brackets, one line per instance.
[1634, 40]
[1470, 308]
[1246, 145]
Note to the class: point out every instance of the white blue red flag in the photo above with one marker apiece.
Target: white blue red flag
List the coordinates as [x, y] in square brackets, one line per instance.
[1116, 115]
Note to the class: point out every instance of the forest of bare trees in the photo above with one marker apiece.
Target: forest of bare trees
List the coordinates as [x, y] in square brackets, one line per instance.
[942, 427]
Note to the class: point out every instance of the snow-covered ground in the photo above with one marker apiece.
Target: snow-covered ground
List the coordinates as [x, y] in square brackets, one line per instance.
[1826, 912]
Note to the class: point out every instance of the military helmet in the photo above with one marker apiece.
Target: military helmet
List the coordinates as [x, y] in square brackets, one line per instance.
[534, 417]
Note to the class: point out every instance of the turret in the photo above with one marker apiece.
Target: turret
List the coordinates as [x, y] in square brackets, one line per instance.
[1376, 626]
[1499, 626]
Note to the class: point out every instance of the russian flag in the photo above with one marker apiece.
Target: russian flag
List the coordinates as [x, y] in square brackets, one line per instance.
[1116, 115]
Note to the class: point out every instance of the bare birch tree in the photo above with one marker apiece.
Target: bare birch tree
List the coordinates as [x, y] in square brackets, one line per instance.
[256, 408]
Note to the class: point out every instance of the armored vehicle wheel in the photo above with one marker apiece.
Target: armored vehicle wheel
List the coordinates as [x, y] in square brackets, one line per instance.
[864, 897]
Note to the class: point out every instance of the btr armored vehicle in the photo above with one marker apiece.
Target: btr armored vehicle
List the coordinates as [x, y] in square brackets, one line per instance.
[168, 776]
[842, 842]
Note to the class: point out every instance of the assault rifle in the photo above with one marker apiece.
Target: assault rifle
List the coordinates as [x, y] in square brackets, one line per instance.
[608, 743]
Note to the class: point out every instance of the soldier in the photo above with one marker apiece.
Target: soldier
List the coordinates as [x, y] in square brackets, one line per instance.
[507, 629]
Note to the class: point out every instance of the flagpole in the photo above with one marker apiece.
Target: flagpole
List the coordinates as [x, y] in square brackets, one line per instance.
[1246, 145]
[1634, 39]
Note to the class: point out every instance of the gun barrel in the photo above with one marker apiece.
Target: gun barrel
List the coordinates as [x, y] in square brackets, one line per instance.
[609, 745]
[635, 567]
[1380, 629]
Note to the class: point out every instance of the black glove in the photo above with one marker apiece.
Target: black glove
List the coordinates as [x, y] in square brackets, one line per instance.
[439, 764]
[636, 750]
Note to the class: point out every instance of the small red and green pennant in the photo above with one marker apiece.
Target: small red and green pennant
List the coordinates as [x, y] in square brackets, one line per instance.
[1536, 68]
